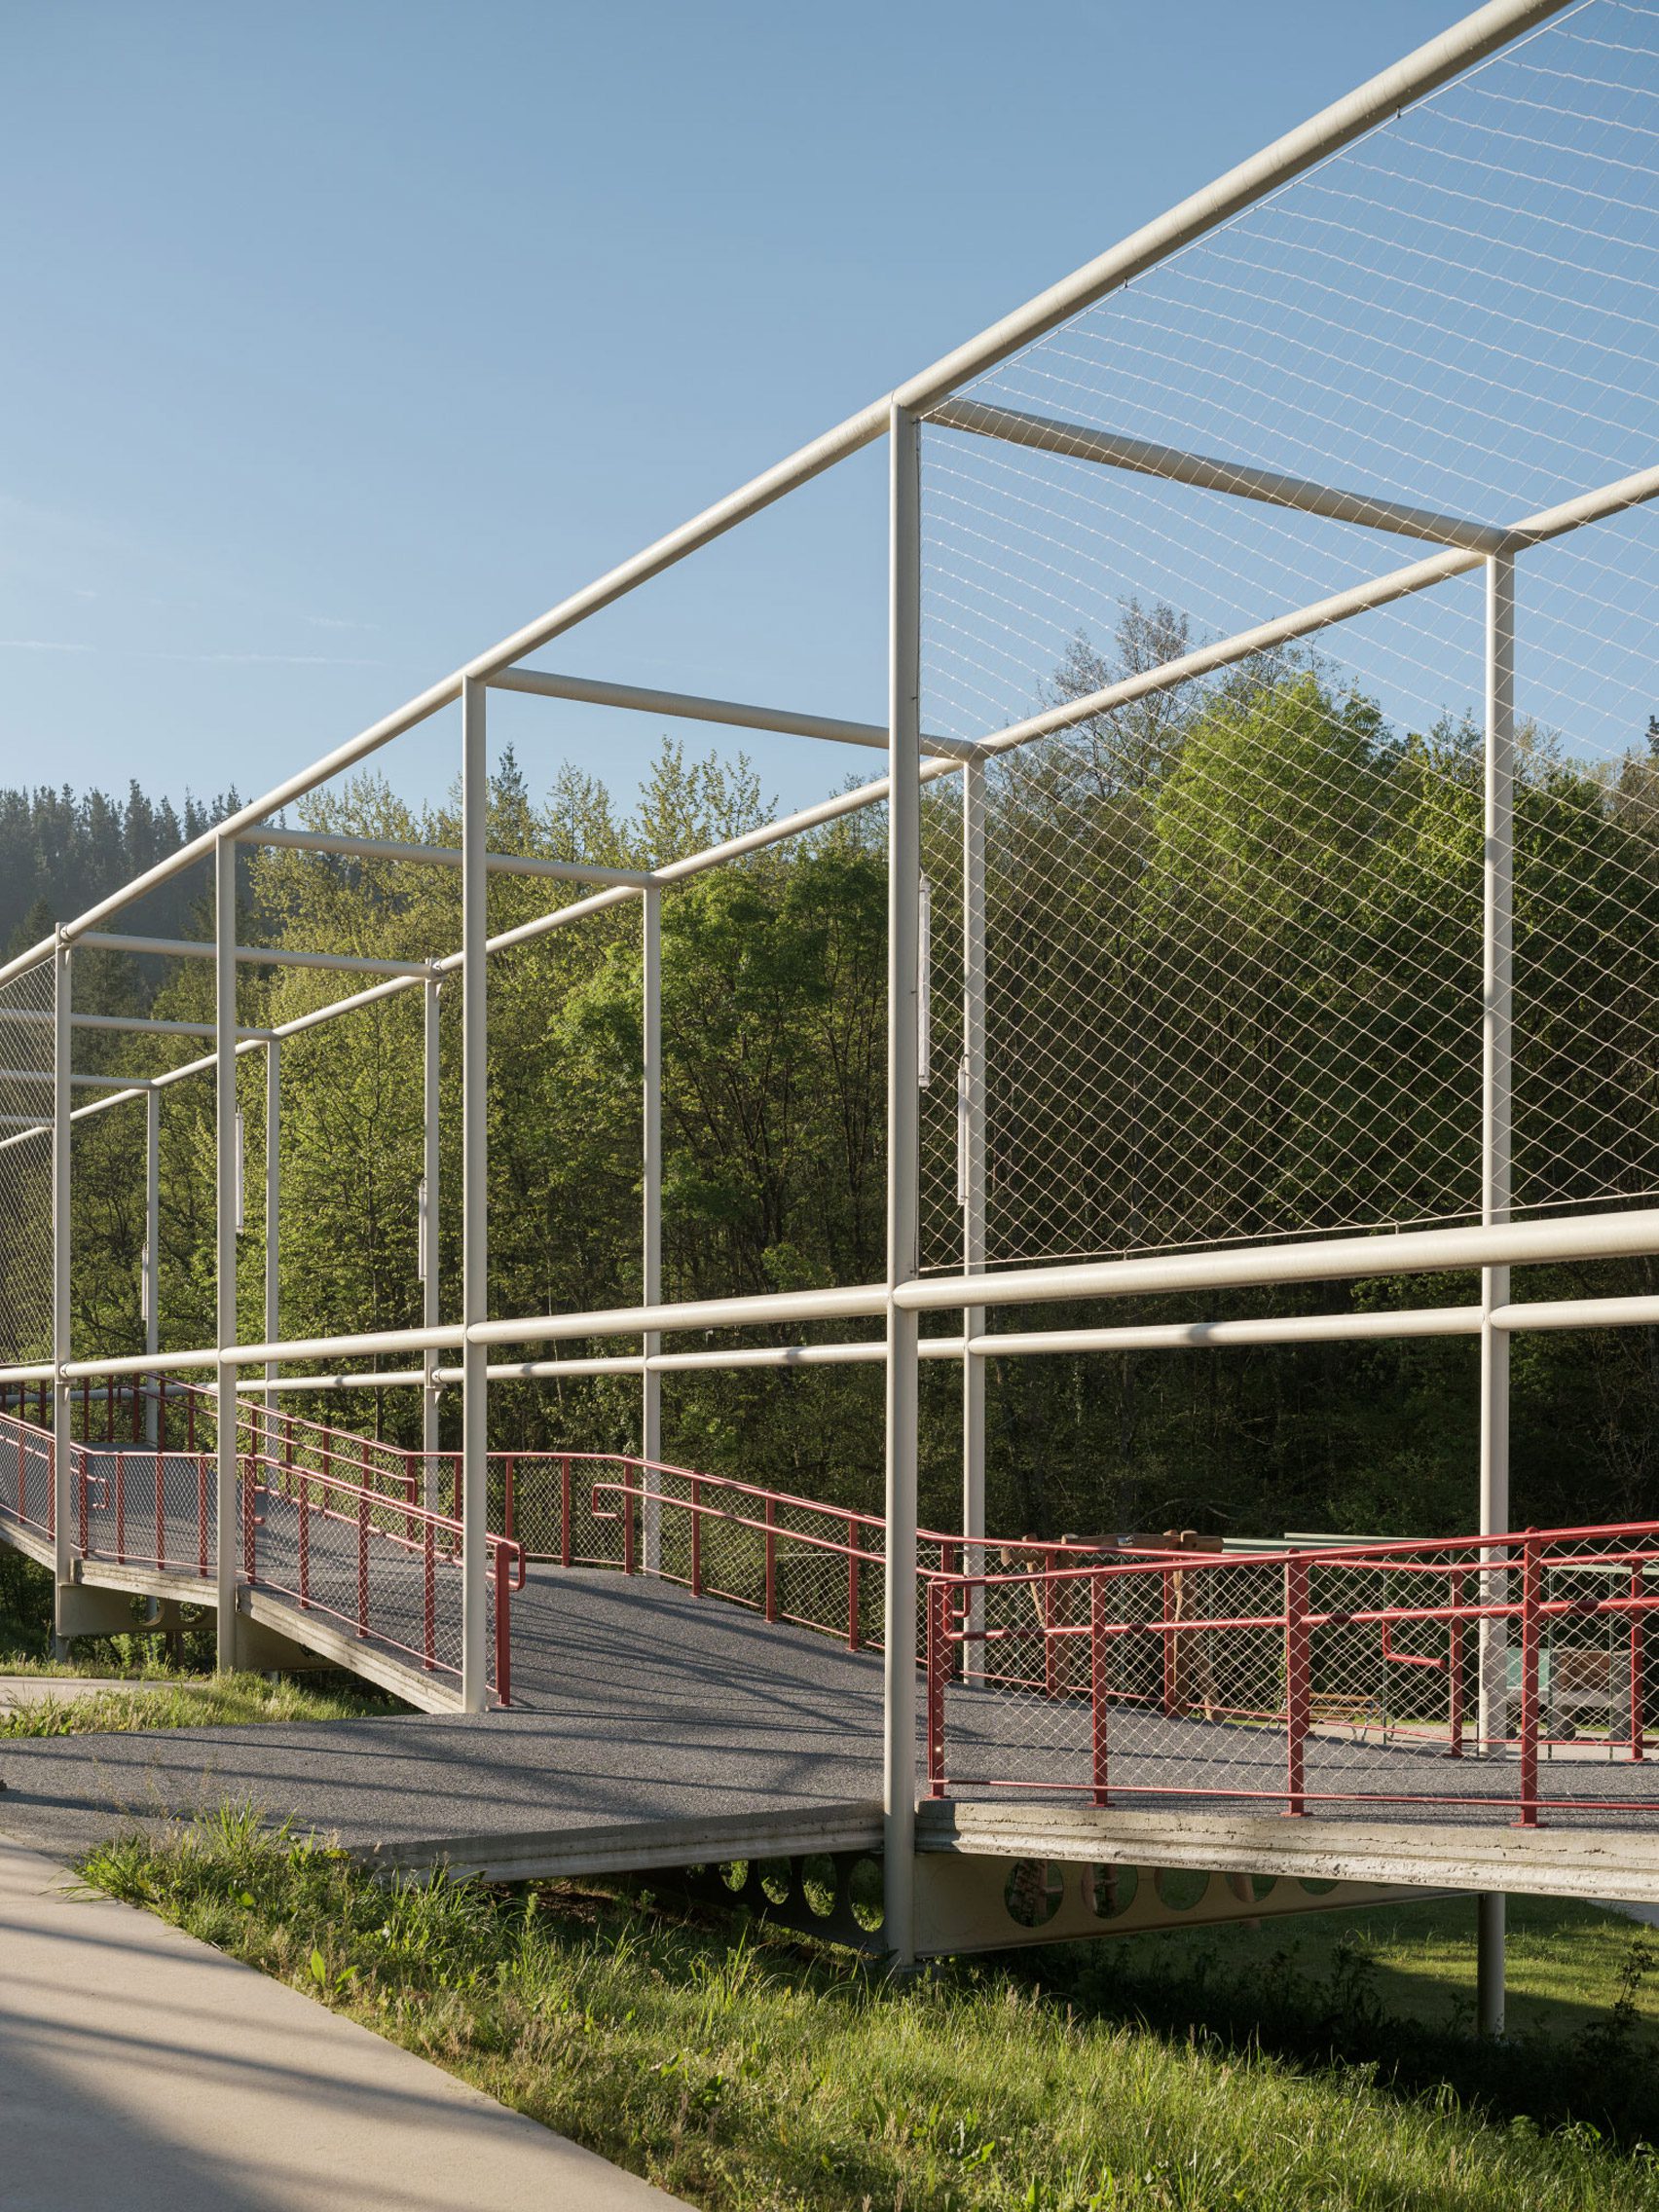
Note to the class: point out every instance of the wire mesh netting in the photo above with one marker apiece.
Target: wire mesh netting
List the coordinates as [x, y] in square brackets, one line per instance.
[1233, 926]
[25, 1165]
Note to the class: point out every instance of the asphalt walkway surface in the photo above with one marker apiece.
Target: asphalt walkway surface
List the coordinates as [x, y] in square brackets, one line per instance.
[145, 2072]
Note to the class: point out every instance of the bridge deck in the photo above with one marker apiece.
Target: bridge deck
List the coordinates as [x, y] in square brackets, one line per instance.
[656, 1730]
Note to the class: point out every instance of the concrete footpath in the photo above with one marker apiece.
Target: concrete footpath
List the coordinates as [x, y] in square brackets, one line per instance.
[141, 2071]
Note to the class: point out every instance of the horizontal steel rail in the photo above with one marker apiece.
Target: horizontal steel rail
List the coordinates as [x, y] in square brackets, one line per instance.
[1078, 441]
[439, 856]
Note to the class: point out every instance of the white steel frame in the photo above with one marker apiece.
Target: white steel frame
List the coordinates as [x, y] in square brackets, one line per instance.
[914, 759]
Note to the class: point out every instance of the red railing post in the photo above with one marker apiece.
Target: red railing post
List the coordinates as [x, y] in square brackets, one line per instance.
[503, 1627]
[771, 1558]
[1171, 1672]
[937, 1650]
[627, 1518]
[853, 1637]
[1638, 1731]
[1097, 1680]
[1048, 1600]
[363, 1565]
[1298, 1684]
[565, 1510]
[303, 1486]
[507, 1499]
[697, 1537]
[429, 1609]
[1455, 1676]
[1529, 1619]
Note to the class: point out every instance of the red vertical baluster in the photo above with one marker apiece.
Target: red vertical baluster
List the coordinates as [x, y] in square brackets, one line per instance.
[1299, 1691]
[771, 1559]
[503, 1626]
[507, 1499]
[1529, 1623]
[429, 1568]
[565, 1511]
[1097, 1681]
[853, 1637]
[1047, 1611]
[697, 1537]
[1455, 1676]
[1637, 1733]
[936, 1653]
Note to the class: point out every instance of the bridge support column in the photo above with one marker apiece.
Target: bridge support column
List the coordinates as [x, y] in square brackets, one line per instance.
[475, 1192]
[430, 1314]
[273, 1217]
[903, 1124]
[63, 1478]
[227, 1498]
[150, 1276]
[650, 1406]
[971, 1106]
[1496, 1049]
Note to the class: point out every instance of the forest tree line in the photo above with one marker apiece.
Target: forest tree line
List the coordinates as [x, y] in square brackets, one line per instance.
[1234, 960]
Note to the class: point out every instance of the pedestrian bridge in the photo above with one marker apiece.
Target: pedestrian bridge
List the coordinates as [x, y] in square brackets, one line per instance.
[685, 1669]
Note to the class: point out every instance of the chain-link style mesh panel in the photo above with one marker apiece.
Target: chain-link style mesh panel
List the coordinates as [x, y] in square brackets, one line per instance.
[1233, 925]
[1516, 1679]
[25, 1165]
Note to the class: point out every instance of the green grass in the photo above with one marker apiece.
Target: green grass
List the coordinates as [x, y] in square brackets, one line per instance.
[192, 1702]
[773, 2077]
[1567, 1962]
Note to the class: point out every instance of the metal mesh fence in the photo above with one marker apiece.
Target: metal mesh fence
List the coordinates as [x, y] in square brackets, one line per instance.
[1519, 1677]
[1234, 927]
[25, 1165]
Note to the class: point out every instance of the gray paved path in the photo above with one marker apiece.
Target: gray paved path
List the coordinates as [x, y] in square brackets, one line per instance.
[144, 2072]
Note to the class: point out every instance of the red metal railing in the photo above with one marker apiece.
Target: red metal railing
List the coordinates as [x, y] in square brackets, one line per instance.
[1107, 1680]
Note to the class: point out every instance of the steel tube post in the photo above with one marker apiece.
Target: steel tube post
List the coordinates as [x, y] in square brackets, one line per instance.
[903, 1136]
[1496, 1036]
[431, 1128]
[650, 1388]
[474, 1190]
[225, 1239]
[970, 1168]
[63, 1516]
[150, 1279]
[272, 1203]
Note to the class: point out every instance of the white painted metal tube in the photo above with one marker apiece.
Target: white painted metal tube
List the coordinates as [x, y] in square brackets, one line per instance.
[1337, 1259]
[228, 1177]
[254, 955]
[157, 1028]
[1214, 1336]
[1528, 1314]
[1079, 441]
[904, 1140]
[767, 1309]
[62, 1310]
[474, 1192]
[687, 706]
[439, 856]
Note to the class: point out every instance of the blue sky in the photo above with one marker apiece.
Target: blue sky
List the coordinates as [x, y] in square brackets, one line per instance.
[342, 340]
